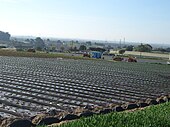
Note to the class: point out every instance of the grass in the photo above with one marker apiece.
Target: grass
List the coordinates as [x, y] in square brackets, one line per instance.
[153, 116]
[37, 54]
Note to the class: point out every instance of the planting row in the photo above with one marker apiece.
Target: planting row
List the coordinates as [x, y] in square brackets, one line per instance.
[30, 86]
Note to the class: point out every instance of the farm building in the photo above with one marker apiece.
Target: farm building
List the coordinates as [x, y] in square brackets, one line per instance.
[95, 54]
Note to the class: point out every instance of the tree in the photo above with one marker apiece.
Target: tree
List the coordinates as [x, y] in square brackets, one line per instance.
[39, 44]
[99, 44]
[149, 46]
[53, 48]
[48, 40]
[39, 40]
[39, 49]
[129, 48]
[144, 48]
[122, 51]
[59, 41]
[168, 49]
[27, 40]
[3, 47]
[62, 48]
[97, 49]
[88, 43]
[82, 48]
[163, 50]
[75, 48]
[31, 50]
[77, 42]
[109, 47]
[160, 49]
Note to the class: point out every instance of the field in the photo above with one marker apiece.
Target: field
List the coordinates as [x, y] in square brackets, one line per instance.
[146, 54]
[29, 86]
[154, 116]
[11, 52]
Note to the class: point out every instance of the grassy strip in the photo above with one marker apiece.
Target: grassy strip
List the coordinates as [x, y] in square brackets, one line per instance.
[37, 54]
[154, 116]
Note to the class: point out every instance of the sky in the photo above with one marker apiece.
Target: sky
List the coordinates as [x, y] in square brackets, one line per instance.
[144, 21]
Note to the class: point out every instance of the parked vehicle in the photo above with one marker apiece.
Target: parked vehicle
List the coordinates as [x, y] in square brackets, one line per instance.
[131, 59]
[117, 58]
[86, 55]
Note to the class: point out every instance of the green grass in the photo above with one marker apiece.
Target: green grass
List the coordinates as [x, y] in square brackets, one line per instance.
[154, 116]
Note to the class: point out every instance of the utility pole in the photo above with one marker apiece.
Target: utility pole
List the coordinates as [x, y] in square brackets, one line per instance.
[72, 44]
[120, 43]
[124, 41]
[168, 62]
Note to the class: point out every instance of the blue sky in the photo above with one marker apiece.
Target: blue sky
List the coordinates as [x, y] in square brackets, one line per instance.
[146, 21]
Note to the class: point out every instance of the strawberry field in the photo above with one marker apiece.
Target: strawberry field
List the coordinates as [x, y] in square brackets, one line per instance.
[29, 86]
